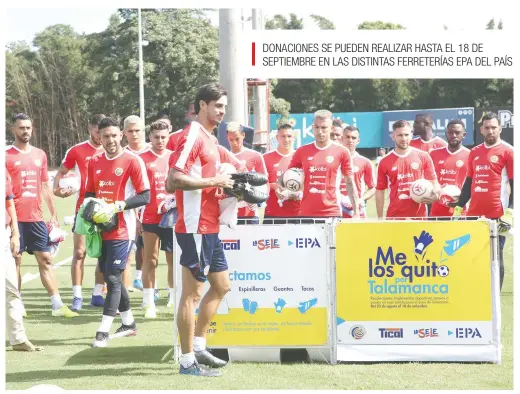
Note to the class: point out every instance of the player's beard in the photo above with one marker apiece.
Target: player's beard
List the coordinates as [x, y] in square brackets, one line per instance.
[491, 139]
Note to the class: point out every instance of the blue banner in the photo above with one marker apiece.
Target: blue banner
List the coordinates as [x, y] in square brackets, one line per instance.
[441, 118]
[369, 125]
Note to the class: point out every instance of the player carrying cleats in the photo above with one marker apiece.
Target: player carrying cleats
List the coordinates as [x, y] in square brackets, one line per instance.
[198, 370]
[204, 357]
[505, 223]
[253, 178]
[64, 311]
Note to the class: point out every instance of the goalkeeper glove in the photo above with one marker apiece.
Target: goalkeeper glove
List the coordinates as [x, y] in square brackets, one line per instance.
[505, 223]
[105, 213]
[457, 212]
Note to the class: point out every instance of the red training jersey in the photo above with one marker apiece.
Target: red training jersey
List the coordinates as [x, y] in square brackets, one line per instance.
[28, 172]
[173, 140]
[451, 169]
[363, 178]
[428, 146]
[78, 157]
[157, 172]
[253, 161]
[118, 179]
[323, 169]
[490, 168]
[8, 196]
[400, 171]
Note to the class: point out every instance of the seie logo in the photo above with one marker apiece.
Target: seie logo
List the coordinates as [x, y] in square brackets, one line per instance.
[304, 243]
[426, 332]
[358, 332]
[263, 244]
[230, 244]
[461, 333]
[391, 333]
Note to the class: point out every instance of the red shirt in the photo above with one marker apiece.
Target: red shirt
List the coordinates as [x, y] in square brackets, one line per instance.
[157, 171]
[363, 178]
[197, 155]
[322, 169]
[8, 196]
[400, 171]
[276, 164]
[253, 161]
[428, 146]
[118, 179]
[490, 169]
[78, 157]
[173, 140]
[451, 169]
[28, 172]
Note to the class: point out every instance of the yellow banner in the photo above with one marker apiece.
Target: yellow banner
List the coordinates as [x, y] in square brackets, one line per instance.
[413, 271]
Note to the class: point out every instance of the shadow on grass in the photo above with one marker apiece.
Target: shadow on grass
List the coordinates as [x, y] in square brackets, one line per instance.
[50, 375]
[122, 355]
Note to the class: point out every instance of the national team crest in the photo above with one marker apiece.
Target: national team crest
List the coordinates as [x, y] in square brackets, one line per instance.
[415, 166]
[329, 159]
[459, 163]
[355, 169]
[493, 159]
[118, 171]
[38, 162]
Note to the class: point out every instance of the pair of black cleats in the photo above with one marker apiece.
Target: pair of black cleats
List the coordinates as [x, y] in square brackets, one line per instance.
[203, 365]
[246, 187]
[102, 338]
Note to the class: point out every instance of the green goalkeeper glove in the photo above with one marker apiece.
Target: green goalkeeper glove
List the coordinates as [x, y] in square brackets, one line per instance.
[457, 212]
[107, 211]
[505, 223]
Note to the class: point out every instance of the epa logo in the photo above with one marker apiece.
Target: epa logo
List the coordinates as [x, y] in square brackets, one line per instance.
[464, 333]
[304, 243]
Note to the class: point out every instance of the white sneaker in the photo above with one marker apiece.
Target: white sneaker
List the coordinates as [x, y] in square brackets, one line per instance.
[150, 312]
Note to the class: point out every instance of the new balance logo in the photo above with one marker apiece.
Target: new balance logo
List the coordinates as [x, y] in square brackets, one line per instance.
[117, 262]
[394, 168]
[441, 161]
[98, 172]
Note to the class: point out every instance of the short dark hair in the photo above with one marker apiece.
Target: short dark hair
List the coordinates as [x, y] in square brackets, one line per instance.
[163, 117]
[159, 125]
[336, 122]
[285, 126]
[351, 128]
[489, 116]
[400, 124]
[454, 122]
[95, 119]
[107, 122]
[209, 92]
[21, 116]
[427, 118]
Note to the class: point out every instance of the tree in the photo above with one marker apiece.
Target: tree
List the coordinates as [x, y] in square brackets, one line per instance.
[323, 23]
[378, 25]
[491, 24]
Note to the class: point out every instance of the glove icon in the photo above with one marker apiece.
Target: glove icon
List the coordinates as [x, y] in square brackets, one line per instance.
[505, 223]
[422, 242]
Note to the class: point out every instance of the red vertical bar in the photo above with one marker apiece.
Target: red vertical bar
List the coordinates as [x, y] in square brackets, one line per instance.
[253, 59]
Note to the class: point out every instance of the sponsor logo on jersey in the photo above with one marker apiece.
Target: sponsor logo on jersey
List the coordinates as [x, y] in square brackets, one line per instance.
[106, 183]
[448, 172]
[404, 176]
[479, 189]
[27, 173]
[319, 169]
[482, 168]
[313, 190]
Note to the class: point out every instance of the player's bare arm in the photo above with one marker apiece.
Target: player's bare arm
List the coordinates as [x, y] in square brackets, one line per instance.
[181, 181]
[380, 203]
[59, 192]
[369, 194]
[352, 191]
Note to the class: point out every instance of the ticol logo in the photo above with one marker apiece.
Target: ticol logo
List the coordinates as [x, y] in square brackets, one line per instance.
[263, 244]
[106, 183]
[358, 332]
[304, 243]
[391, 332]
[426, 332]
[230, 244]
[465, 333]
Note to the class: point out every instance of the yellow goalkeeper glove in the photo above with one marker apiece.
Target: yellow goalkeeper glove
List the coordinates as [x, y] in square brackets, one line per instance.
[457, 212]
[107, 211]
[505, 223]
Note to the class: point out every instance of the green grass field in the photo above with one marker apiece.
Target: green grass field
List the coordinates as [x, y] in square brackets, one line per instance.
[144, 362]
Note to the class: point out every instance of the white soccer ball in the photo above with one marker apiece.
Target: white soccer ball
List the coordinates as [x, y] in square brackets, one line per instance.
[227, 168]
[70, 183]
[420, 190]
[292, 180]
[449, 194]
[443, 270]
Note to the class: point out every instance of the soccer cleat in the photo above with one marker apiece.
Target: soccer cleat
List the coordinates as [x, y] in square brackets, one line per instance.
[101, 339]
[204, 357]
[253, 178]
[97, 300]
[77, 303]
[64, 311]
[126, 331]
[198, 370]
[131, 289]
[138, 284]
[150, 312]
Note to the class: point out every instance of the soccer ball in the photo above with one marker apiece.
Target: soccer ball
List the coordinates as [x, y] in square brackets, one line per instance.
[443, 270]
[227, 168]
[292, 179]
[420, 189]
[449, 194]
[71, 183]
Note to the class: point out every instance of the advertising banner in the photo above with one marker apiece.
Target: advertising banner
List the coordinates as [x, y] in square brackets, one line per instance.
[441, 118]
[414, 282]
[279, 294]
[506, 117]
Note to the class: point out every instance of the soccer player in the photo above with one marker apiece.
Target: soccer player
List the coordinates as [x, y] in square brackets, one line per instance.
[490, 170]
[13, 303]
[118, 177]
[425, 140]
[337, 131]
[399, 169]
[363, 172]
[195, 179]
[133, 128]
[77, 158]
[324, 163]
[27, 167]
[276, 163]
[451, 164]
[156, 162]
[253, 161]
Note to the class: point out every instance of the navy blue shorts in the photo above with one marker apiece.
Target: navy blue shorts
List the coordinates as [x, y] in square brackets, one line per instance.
[164, 234]
[114, 254]
[34, 237]
[202, 254]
